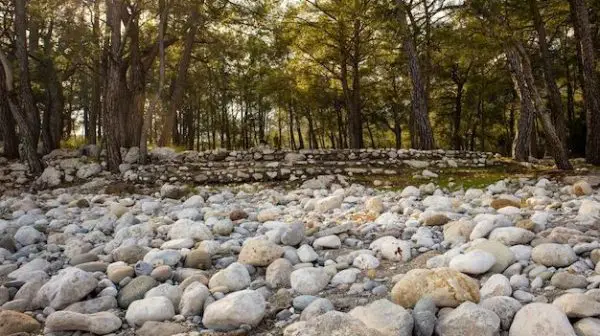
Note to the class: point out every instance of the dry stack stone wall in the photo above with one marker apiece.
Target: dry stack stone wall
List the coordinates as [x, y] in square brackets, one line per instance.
[221, 166]
[268, 164]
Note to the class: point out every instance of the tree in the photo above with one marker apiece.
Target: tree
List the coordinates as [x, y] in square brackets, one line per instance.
[7, 125]
[422, 135]
[114, 86]
[554, 96]
[178, 85]
[591, 83]
[301, 74]
[24, 110]
[348, 28]
[147, 126]
[531, 101]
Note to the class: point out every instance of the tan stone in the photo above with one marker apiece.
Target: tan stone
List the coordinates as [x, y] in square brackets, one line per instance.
[582, 188]
[374, 205]
[116, 273]
[237, 214]
[447, 287]
[595, 256]
[564, 235]
[578, 305]
[526, 224]
[458, 231]
[436, 220]
[12, 322]
[503, 203]
[259, 253]
[198, 259]
[153, 328]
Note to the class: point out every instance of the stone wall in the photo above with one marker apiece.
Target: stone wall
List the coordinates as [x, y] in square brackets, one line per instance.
[222, 166]
[268, 164]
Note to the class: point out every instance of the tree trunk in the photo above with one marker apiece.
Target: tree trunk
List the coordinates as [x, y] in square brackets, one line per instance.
[279, 129]
[299, 131]
[356, 124]
[397, 126]
[352, 109]
[481, 110]
[423, 138]
[456, 136]
[570, 94]
[525, 83]
[134, 117]
[96, 105]
[53, 116]
[371, 137]
[591, 83]
[27, 101]
[554, 97]
[25, 113]
[114, 86]
[27, 132]
[337, 105]
[291, 126]
[7, 127]
[147, 125]
[166, 137]
[522, 142]
[556, 146]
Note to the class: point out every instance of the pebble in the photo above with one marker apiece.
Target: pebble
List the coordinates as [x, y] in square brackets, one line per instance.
[154, 328]
[68, 286]
[307, 254]
[278, 273]
[474, 262]
[233, 278]
[504, 307]
[309, 280]
[192, 299]
[135, 290]
[366, 262]
[259, 252]
[236, 310]
[557, 255]
[92, 306]
[330, 242]
[302, 301]
[12, 322]
[316, 308]
[198, 258]
[541, 319]
[496, 285]
[80, 259]
[385, 317]
[469, 319]
[424, 317]
[587, 327]
[157, 308]
[566, 280]
[101, 323]
[447, 288]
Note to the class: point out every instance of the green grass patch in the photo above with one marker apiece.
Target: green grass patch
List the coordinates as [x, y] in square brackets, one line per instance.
[450, 178]
[73, 142]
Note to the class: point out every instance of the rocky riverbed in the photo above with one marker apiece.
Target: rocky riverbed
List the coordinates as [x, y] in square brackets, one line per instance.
[520, 257]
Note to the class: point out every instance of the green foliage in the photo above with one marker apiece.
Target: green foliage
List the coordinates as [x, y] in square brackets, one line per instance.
[274, 71]
[73, 142]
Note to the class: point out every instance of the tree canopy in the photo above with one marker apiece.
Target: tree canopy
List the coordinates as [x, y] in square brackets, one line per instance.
[516, 77]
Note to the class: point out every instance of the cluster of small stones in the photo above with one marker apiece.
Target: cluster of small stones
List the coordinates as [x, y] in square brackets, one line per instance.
[520, 257]
[219, 166]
